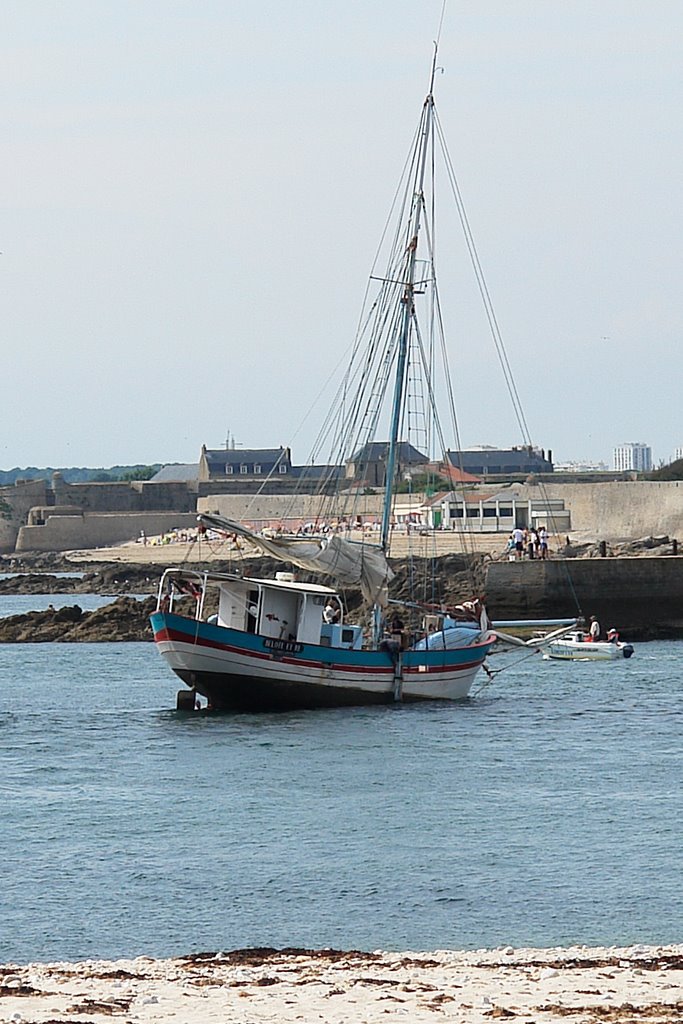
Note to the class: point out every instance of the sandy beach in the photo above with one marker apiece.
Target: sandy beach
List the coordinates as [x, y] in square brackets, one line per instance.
[178, 552]
[577, 985]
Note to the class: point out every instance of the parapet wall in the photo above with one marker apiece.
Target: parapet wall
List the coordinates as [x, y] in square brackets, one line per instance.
[278, 507]
[97, 530]
[621, 510]
[122, 496]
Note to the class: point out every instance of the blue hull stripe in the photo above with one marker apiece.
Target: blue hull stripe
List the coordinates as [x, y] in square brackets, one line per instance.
[167, 626]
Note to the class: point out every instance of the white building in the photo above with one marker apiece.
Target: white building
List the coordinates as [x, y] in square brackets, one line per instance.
[479, 512]
[635, 456]
[582, 466]
[678, 454]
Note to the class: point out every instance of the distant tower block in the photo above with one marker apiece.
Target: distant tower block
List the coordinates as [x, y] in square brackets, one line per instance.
[633, 456]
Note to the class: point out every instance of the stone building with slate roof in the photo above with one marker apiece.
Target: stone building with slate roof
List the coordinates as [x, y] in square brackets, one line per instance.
[221, 464]
[368, 465]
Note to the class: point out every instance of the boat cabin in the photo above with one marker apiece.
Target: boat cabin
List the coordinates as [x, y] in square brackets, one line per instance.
[279, 609]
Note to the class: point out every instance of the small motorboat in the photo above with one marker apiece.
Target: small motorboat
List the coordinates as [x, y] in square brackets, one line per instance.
[578, 646]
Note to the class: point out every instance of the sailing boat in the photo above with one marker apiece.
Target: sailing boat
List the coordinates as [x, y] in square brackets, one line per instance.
[283, 642]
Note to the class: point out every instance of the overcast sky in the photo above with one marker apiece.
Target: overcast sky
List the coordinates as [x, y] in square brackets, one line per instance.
[191, 194]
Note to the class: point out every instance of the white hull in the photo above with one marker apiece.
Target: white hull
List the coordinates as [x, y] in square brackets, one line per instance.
[573, 650]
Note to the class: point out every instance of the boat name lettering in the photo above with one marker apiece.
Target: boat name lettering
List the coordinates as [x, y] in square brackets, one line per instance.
[284, 645]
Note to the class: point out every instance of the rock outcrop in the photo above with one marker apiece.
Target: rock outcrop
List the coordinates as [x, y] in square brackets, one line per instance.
[641, 596]
[124, 619]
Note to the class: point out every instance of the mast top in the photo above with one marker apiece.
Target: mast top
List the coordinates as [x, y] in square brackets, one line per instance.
[430, 95]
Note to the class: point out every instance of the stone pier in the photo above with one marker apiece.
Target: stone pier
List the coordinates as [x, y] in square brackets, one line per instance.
[641, 597]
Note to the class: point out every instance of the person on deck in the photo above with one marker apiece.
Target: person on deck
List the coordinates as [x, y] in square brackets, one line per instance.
[396, 627]
[594, 631]
[331, 613]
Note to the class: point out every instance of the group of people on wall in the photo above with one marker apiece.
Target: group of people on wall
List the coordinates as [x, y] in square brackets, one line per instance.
[529, 541]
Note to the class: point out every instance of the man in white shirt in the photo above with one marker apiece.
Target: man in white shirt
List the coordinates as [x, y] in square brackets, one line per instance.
[518, 541]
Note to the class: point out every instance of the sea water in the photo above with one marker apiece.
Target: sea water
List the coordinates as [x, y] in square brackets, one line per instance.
[19, 604]
[544, 810]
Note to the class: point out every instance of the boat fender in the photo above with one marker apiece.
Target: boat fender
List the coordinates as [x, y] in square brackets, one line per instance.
[628, 650]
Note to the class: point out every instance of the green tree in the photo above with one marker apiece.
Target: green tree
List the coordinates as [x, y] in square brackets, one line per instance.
[140, 473]
[674, 471]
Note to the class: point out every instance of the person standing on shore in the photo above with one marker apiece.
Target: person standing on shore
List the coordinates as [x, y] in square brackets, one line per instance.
[543, 541]
[532, 542]
[518, 541]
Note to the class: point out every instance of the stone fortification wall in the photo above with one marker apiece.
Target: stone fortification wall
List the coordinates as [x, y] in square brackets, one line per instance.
[165, 497]
[135, 496]
[8, 535]
[641, 597]
[621, 510]
[16, 500]
[96, 530]
[279, 507]
[613, 511]
[277, 484]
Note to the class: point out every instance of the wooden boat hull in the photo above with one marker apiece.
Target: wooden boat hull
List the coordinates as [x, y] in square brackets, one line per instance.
[242, 671]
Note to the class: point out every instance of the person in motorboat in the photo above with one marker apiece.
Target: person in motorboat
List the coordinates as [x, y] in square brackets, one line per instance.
[594, 631]
[612, 636]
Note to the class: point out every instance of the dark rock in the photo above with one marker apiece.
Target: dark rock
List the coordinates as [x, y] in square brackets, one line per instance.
[124, 619]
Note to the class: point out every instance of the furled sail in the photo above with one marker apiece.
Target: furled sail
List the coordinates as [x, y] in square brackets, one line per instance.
[349, 562]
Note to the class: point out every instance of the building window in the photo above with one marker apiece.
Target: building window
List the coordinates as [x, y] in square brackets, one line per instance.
[489, 513]
[228, 470]
[505, 513]
[244, 469]
[472, 513]
[257, 469]
[282, 468]
[455, 512]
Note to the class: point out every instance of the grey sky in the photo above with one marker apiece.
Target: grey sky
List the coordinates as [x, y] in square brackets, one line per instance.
[191, 194]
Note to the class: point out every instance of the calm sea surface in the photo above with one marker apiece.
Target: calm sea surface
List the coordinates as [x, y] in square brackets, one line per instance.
[547, 810]
[18, 604]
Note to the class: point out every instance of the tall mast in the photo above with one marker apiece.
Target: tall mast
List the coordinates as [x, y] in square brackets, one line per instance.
[408, 309]
[403, 347]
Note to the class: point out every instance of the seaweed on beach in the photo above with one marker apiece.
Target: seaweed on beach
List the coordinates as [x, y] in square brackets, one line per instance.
[662, 962]
[21, 990]
[108, 1007]
[627, 1013]
[256, 956]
